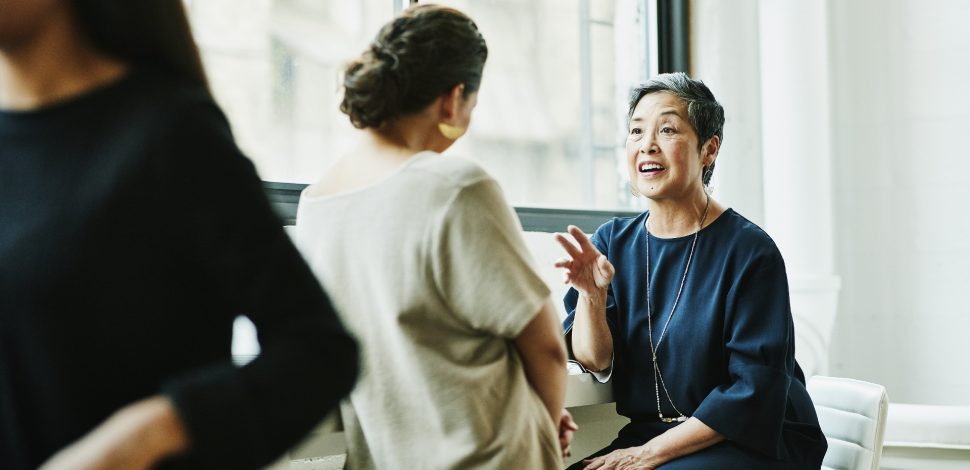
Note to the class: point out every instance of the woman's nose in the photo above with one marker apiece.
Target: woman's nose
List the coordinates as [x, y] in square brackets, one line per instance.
[648, 147]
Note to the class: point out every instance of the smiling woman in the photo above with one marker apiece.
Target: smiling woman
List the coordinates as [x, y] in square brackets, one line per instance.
[688, 304]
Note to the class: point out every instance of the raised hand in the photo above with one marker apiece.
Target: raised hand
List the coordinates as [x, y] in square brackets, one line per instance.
[586, 269]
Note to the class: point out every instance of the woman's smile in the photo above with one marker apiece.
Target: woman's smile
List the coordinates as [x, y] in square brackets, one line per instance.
[649, 169]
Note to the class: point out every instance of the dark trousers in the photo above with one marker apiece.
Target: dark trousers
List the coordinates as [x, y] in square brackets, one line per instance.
[721, 456]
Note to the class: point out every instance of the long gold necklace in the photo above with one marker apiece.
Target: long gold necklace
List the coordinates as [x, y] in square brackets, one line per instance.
[658, 379]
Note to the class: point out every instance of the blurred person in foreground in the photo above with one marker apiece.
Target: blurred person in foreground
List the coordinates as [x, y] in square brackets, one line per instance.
[132, 233]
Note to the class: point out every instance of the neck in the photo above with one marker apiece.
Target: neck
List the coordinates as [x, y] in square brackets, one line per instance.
[54, 64]
[671, 218]
[412, 134]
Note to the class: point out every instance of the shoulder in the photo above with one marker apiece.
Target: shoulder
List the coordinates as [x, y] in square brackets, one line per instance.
[747, 239]
[452, 180]
[449, 171]
[169, 93]
[184, 120]
[182, 128]
[165, 105]
[618, 229]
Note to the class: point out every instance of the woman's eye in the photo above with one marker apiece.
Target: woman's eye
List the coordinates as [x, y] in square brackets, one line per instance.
[635, 131]
[667, 130]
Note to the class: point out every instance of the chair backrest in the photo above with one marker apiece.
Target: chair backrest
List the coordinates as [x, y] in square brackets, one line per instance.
[853, 417]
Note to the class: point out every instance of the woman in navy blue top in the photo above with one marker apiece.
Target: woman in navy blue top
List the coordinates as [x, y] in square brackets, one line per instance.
[686, 308]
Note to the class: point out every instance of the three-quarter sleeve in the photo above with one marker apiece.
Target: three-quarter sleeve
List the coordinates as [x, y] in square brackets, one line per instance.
[480, 263]
[749, 407]
[246, 417]
[572, 298]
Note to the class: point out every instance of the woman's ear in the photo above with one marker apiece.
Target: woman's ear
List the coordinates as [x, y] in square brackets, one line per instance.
[710, 149]
[451, 102]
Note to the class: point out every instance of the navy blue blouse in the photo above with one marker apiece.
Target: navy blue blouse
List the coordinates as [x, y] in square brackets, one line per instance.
[728, 357]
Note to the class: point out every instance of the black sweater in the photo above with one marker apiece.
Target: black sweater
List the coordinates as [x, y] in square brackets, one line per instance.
[132, 232]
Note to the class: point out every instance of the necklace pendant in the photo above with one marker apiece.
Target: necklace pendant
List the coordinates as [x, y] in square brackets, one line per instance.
[679, 419]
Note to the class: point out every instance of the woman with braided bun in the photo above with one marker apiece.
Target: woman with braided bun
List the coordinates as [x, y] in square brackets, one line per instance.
[464, 363]
[685, 308]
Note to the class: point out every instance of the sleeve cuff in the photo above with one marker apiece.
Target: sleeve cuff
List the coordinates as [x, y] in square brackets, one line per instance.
[604, 375]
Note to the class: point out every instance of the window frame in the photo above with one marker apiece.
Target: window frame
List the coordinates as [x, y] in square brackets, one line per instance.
[673, 36]
[285, 198]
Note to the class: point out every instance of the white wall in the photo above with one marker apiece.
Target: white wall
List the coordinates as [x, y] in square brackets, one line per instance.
[901, 101]
[728, 62]
[899, 106]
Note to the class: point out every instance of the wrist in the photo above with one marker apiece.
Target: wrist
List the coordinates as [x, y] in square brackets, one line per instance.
[162, 430]
[595, 298]
[649, 453]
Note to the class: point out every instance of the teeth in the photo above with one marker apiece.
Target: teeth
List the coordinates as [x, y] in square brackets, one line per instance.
[650, 167]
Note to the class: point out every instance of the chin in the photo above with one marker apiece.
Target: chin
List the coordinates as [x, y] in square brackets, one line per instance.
[650, 191]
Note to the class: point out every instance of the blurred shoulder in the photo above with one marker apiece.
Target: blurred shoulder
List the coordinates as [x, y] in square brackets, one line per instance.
[169, 101]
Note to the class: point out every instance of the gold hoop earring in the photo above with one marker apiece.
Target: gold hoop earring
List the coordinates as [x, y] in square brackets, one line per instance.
[450, 132]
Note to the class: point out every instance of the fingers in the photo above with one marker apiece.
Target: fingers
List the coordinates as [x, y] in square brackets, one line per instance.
[567, 420]
[584, 243]
[571, 425]
[593, 464]
[567, 245]
[567, 428]
[566, 437]
[563, 263]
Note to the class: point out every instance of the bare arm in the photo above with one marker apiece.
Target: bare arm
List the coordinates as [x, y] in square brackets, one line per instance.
[591, 339]
[689, 437]
[136, 437]
[590, 273]
[544, 357]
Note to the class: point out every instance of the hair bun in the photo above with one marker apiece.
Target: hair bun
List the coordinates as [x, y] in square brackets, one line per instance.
[370, 95]
[389, 58]
[414, 59]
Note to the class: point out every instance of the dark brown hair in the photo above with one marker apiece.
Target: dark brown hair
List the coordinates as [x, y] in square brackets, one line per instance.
[151, 34]
[416, 58]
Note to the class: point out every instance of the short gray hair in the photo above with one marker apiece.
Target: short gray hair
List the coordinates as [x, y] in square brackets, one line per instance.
[704, 112]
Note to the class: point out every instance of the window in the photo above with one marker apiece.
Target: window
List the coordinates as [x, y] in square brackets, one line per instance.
[274, 67]
[550, 124]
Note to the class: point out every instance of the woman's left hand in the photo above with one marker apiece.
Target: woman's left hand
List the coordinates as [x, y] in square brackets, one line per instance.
[633, 458]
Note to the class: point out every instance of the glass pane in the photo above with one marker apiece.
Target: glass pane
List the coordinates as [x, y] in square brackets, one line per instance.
[274, 67]
[528, 127]
[550, 111]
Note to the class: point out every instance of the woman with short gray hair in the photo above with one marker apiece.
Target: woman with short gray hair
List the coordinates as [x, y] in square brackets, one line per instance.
[686, 309]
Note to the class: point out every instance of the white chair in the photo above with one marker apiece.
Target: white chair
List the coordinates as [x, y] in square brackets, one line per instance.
[852, 414]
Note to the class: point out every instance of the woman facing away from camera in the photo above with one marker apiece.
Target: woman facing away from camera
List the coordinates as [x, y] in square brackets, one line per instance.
[132, 233]
[464, 363]
[685, 308]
